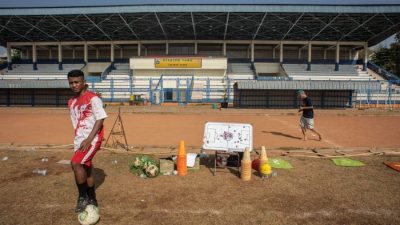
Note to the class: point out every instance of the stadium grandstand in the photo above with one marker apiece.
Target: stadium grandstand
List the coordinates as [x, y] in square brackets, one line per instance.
[251, 55]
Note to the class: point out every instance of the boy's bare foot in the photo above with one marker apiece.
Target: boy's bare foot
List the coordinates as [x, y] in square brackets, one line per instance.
[305, 139]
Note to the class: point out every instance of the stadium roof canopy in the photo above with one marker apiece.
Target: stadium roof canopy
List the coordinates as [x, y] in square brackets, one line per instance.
[307, 22]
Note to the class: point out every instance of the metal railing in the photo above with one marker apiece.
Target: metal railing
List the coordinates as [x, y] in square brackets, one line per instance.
[384, 73]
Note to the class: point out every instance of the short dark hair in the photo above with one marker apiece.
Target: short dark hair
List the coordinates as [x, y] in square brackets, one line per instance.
[76, 73]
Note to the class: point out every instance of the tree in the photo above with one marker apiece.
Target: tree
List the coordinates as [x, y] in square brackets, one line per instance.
[389, 58]
[15, 54]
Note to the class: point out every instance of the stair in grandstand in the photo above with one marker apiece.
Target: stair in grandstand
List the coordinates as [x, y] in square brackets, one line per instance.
[121, 71]
[240, 70]
[326, 72]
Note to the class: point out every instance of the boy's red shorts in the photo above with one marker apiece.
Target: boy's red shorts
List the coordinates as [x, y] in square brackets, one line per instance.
[86, 157]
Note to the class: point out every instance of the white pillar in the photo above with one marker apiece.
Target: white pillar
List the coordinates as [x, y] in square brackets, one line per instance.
[273, 53]
[97, 53]
[73, 53]
[8, 53]
[139, 49]
[325, 50]
[34, 52]
[9, 59]
[309, 56]
[112, 52]
[60, 56]
[195, 48]
[350, 55]
[166, 48]
[252, 51]
[337, 57]
[365, 56]
[50, 53]
[356, 55]
[85, 52]
[281, 52]
[59, 53]
[34, 56]
[224, 49]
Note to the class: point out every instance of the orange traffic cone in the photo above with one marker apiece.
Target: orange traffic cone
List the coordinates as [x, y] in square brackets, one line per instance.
[181, 165]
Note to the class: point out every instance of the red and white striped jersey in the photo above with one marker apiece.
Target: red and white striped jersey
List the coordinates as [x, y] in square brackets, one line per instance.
[85, 110]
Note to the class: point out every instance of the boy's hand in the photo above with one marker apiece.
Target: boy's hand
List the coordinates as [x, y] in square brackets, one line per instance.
[85, 145]
[301, 109]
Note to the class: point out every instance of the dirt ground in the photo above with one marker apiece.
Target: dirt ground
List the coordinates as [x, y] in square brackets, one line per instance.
[165, 126]
[314, 192]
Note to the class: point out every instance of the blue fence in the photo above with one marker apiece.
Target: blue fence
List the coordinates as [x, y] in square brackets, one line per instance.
[166, 89]
[184, 90]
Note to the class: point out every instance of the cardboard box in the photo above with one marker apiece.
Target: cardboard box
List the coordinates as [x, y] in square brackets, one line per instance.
[166, 166]
[196, 166]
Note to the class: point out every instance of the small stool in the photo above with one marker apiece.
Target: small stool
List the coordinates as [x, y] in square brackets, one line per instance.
[221, 160]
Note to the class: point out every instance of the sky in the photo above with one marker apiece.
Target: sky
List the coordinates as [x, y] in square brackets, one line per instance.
[55, 3]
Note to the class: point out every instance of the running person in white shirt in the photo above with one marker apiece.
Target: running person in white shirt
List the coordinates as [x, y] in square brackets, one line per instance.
[87, 115]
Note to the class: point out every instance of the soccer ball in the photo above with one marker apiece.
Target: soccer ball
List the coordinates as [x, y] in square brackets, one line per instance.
[151, 171]
[90, 216]
[137, 163]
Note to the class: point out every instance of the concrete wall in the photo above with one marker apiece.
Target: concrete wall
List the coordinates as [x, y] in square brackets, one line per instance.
[96, 67]
[271, 68]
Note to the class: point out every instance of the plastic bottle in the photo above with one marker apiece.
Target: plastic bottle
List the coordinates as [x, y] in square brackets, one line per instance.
[40, 172]
[181, 164]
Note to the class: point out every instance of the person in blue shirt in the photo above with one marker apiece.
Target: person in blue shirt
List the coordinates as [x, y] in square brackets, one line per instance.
[307, 119]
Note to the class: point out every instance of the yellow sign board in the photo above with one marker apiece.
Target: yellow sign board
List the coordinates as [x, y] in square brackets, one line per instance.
[177, 62]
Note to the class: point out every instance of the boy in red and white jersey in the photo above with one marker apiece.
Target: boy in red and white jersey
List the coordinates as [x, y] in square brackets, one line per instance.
[87, 115]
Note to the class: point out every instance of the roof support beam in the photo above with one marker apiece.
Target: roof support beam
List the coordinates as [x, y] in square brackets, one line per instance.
[377, 35]
[162, 28]
[390, 21]
[129, 27]
[51, 36]
[194, 26]
[65, 26]
[360, 25]
[226, 25]
[259, 25]
[4, 27]
[293, 25]
[94, 24]
[36, 24]
[326, 25]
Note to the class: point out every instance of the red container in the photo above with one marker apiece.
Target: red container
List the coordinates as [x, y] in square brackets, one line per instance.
[255, 164]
